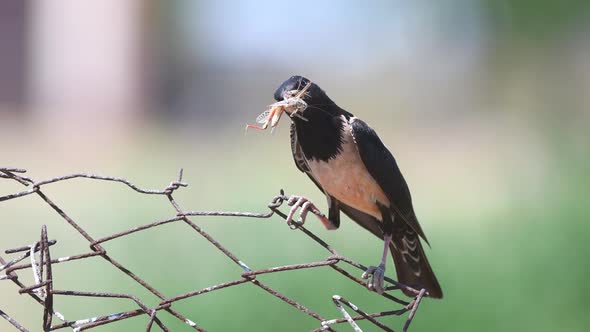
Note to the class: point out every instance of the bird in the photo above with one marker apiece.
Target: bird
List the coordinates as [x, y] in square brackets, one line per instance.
[359, 176]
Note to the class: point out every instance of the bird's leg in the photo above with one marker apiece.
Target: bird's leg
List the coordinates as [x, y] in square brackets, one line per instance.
[377, 273]
[306, 205]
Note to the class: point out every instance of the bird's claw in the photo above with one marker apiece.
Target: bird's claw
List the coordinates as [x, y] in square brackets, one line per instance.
[296, 202]
[375, 274]
[306, 205]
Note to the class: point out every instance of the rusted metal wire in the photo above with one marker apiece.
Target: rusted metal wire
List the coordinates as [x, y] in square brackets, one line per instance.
[41, 264]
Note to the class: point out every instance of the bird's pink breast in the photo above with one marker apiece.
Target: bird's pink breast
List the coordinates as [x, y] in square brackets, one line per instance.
[346, 178]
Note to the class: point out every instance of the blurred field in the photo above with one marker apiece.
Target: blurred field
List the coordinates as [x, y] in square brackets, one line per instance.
[484, 105]
[507, 232]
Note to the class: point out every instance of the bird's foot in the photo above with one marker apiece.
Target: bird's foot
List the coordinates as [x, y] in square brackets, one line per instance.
[306, 205]
[376, 275]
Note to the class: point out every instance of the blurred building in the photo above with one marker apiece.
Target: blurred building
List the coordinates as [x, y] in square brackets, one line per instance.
[14, 23]
[72, 59]
[87, 58]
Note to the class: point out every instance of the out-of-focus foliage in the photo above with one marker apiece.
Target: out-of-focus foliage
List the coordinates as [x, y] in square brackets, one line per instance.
[530, 21]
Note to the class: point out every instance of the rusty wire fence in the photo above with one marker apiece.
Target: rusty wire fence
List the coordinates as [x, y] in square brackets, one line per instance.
[36, 259]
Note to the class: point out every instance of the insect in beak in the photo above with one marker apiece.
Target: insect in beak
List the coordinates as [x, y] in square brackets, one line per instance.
[293, 104]
[271, 116]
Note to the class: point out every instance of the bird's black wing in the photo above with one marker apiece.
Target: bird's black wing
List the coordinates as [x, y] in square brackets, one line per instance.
[383, 168]
[367, 221]
[299, 158]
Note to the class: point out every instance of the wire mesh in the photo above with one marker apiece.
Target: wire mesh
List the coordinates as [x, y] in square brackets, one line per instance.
[36, 258]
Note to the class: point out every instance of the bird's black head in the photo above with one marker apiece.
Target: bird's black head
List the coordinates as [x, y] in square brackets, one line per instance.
[319, 125]
[313, 96]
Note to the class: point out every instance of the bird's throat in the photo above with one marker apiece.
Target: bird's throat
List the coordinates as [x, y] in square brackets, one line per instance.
[320, 136]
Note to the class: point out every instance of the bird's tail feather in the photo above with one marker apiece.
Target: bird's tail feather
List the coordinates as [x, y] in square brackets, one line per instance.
[410, 261]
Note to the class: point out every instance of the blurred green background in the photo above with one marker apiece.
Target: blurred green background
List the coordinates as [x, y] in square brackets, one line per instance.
[484, 103]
